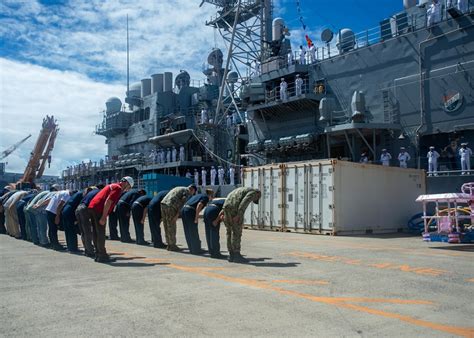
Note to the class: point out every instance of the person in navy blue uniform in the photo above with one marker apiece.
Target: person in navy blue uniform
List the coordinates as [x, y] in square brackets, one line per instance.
[212, 222]
[113, 226]
[68, 219]
[154, 219]
[21, 214]
[189, 214]
[139, 211]
[123, 208]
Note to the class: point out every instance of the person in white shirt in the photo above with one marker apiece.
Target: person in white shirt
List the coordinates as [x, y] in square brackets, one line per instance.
[432, 156]
[385, 157]
[465, 154]
[181, 153]
[196, 178]
[53, 214]
[403, 157]
[312, 53]
[203, 176]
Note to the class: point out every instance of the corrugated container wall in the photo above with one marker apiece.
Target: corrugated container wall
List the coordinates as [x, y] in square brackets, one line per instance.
[333, 197]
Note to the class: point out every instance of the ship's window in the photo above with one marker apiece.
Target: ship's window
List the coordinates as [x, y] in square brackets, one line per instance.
[147, 113]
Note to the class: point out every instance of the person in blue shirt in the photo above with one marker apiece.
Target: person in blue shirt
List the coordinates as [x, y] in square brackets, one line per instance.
[189, 214]
[123, 209]
[154, 219]
[139, 211]
[212, 222]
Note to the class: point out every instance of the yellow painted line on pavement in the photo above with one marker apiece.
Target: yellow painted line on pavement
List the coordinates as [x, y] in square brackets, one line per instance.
[378, 265]
[301, 282]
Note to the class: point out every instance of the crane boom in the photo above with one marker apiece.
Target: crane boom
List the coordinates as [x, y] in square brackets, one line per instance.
[13, 147]
[41, 152]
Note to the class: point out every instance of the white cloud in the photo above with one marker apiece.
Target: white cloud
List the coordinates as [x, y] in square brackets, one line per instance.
[30, 92]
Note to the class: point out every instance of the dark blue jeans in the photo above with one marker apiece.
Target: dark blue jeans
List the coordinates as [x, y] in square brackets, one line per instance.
[113, 225]
[154, 220]
[191, 230]
[137, 214]
[52, 228]
[70, 232]
[212, 235]
[123, 213]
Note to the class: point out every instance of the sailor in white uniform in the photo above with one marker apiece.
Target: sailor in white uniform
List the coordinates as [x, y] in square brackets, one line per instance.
[465, 154]
[283, 90]
[298, 85]
[213, 175]
[433, 156]
[220, 174]
[385, 157]
[403, 157]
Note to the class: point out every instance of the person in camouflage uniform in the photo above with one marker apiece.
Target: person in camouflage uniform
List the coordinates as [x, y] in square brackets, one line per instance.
[233, 213]
[170, 207]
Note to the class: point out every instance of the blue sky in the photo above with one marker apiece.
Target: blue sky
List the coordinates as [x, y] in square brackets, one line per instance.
[67, 57]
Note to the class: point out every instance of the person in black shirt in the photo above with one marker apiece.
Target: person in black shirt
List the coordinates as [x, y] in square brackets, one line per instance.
[68, 219]
[123, 208]
[154, 219]
[189, 214]
[84, 221]
[139, 211]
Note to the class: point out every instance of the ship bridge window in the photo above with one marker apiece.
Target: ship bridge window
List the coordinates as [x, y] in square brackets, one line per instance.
[147, 113]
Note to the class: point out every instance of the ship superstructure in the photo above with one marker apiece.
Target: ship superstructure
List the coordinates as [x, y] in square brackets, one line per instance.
[403, 83]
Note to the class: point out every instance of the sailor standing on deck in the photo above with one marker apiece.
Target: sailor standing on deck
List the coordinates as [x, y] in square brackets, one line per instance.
[283, 90]
[181, 153]
[364, 158]
[173, 154]
[302, 55]
[312, 53]
[291, 59]
[403, 157]
[433, 13]
[220, 174]
[232, 175]
[465, 153]
[213, 175]
[298, 85]
[385, 157]
[203, 116]
[196, 178]
[203, 176]
[433, 156]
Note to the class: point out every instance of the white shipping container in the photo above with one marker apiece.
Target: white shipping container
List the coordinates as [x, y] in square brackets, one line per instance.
[333, 197]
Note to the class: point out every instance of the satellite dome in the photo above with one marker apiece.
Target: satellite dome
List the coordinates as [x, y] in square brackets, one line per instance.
[345, 40]
[113, 105]
[135, 90]
[182, 79]
[233, 77]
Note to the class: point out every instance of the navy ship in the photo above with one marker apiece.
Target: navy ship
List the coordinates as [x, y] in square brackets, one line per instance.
[407, 83]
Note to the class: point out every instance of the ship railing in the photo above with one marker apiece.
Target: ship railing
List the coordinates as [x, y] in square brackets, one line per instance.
[274, 94]
[374, 35]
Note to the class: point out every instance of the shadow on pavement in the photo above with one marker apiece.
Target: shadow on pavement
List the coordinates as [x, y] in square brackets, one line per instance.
[260, 262]
[134, 264]
[453, 247]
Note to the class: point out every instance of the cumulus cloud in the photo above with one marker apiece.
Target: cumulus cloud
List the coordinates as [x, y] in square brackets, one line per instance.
[30, 92]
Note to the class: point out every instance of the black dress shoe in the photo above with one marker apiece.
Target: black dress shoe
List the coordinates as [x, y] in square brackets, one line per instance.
[89, 254]
[218, 256]
[58, 247]
[145, 243]
[159, 245]
[114, 238]
[107, 259]
[127, 240]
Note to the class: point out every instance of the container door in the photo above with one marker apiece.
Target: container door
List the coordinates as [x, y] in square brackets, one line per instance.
[320, 199]
[295, 198]
[269, 205]
[251, 179]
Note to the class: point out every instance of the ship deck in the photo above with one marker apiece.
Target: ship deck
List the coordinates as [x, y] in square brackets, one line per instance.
[294, 285]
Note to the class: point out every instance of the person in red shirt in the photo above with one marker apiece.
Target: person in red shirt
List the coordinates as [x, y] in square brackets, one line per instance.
[99, 208]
